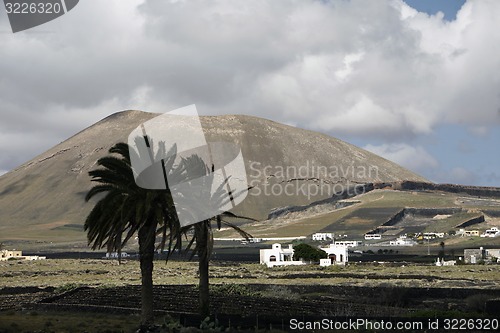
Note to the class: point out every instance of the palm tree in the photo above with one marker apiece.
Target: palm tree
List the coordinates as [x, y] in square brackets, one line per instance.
[441, 252]
[202, 240]
[203, 236]
[124, 209]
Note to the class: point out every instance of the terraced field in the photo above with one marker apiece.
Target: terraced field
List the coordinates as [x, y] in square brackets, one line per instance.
[373, 209]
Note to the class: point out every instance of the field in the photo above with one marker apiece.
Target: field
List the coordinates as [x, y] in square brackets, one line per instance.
[371, 210]
[79, 295]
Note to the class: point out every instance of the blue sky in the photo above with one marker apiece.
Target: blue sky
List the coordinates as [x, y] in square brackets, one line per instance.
[448, 7]
[414, 81]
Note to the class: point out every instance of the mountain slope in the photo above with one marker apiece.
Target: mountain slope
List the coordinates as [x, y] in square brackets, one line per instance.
[43, 198]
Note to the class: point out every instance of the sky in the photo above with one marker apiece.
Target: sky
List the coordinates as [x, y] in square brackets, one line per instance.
[417, 82]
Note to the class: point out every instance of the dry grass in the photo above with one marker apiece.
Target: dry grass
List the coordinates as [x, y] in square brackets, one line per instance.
[102, 273]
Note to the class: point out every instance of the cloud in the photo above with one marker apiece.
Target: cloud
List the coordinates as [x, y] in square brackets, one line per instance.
[459, 175]
[413, 158]
[367, 69]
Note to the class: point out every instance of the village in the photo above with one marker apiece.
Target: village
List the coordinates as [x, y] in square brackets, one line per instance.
[336, 249]
[17, 255]
[338, 254]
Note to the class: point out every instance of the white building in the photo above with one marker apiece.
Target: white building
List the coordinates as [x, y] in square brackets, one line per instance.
[433, 235]
[114, 255]
[493, 253]
[373, 236]
[402, 241]
[322, 236]
[442, 262]
[471, 233]
[349, 243]
[338, 254]
[493, 232]
[277, 256]
[6, 255]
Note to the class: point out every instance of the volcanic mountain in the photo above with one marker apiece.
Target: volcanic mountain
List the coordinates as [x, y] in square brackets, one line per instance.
[43, 199]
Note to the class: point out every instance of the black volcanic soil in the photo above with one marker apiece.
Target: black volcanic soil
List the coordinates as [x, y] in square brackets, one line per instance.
[271, 304]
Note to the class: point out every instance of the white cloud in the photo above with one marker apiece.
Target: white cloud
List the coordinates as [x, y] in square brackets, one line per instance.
[413, 158]
[459, 175]
[370, 69]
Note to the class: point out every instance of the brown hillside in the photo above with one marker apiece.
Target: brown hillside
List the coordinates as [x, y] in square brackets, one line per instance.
[43, 198]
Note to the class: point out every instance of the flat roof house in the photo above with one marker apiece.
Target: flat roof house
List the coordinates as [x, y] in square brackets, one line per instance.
[473, 256]
[338, 254]
[278, 256]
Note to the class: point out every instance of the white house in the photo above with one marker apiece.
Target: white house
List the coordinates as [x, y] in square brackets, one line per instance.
[349, 243]
[493, 232]
[6, 255]
[471, 233]
[338, 254]
[114, 255]
[433, 235]
[474, 256]
[493, 253]
[277, 256]
[322, 236]
[442, 262]
[373, 236]
[402, 241]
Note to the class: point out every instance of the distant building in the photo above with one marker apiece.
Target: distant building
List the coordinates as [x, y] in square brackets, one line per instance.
[473, 256]
[493, 254]
[114, 255]
[442, 262]
[277, 256]
[471, 233]
[322, 236]
[348, 243]
[493, 232]
[338, 254]
[433, 235]
[373, 236]
[402, 241]
[6, 255]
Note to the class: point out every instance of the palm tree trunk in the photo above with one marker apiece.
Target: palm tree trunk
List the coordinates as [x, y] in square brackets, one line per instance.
[203, 269]
[204, 288]
[146, 255]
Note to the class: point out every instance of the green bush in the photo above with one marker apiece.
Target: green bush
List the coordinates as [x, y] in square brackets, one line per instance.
[308, 253]
[67, 287]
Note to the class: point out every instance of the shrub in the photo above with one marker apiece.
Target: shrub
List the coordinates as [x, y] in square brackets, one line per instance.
[281, 292]
[67, 287]
[308, 253]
